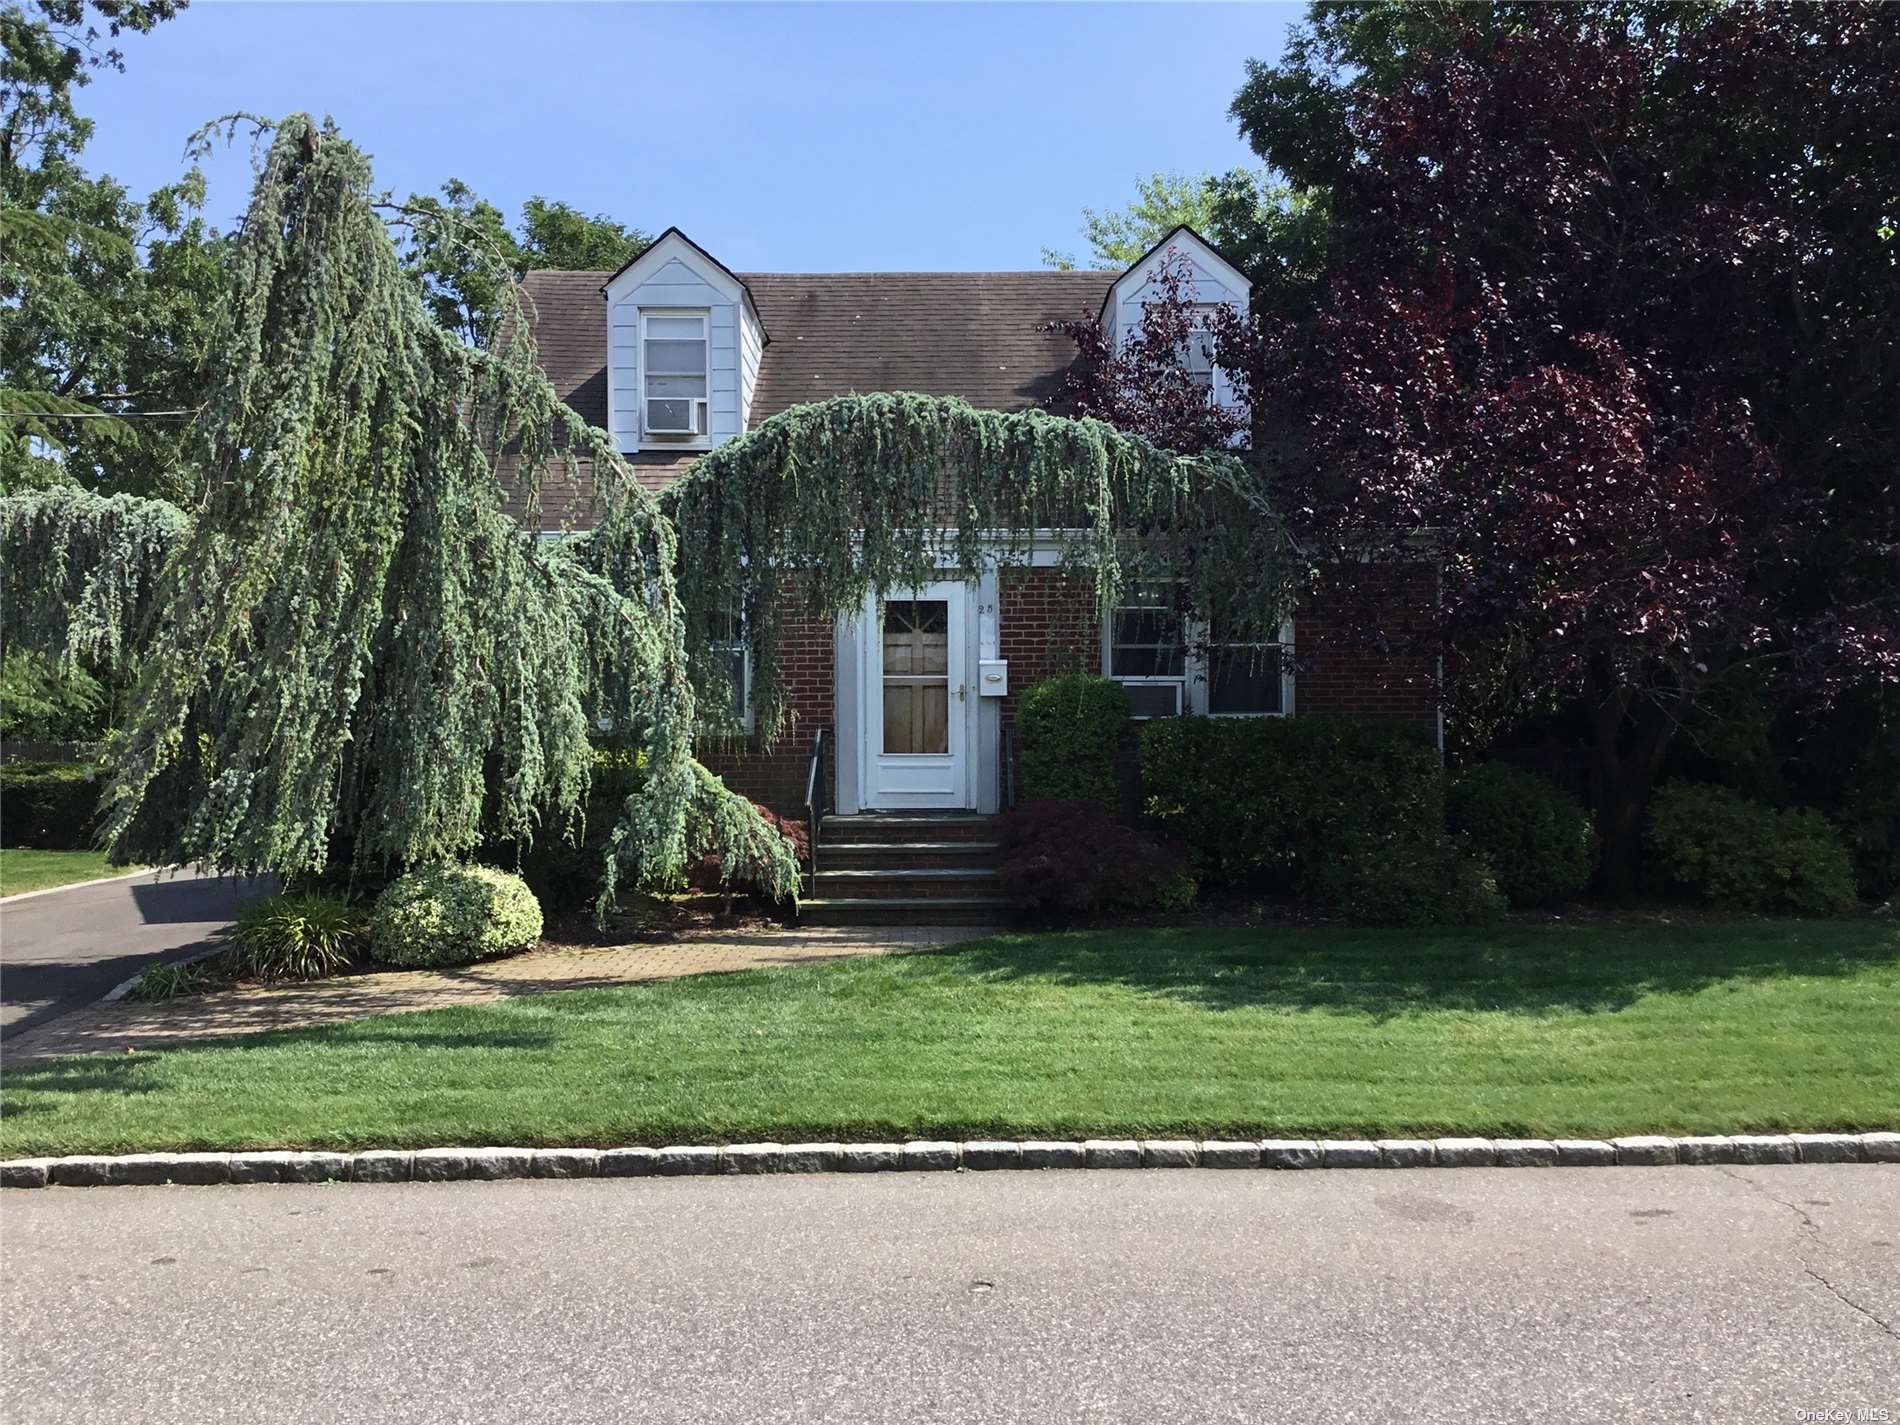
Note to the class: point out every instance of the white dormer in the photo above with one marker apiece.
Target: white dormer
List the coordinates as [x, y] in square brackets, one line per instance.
[683, 346]
[1214, 281]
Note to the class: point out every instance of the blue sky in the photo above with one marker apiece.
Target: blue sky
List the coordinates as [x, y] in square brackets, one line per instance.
[841, 137]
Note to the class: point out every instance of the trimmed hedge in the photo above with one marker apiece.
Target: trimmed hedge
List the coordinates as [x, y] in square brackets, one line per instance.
[1348, 814]
[449, 915]
[1070, 731]
[1258, 801]
[49, 806]
[1537, 838]
[1746, 855]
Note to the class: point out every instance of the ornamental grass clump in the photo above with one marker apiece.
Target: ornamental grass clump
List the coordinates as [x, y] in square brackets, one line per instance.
[297, 936]
[450, 915]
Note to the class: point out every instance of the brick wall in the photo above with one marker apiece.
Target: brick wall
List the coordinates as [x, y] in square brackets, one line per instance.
[1339, 671]
[775, 773]
[1046, 624]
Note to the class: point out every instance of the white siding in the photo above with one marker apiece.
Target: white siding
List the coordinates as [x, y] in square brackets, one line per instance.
[1215, 283]
[751, 352]
[675, 282]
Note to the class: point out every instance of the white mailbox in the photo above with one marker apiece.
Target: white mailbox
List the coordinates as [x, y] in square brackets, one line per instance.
[992, 678]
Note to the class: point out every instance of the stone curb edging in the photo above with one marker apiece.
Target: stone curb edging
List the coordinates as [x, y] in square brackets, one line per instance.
[923, 1155]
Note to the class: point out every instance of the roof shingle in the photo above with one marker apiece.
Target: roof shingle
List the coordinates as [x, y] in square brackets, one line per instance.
[977, 335]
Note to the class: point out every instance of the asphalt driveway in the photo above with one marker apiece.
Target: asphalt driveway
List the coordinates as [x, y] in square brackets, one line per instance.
[1593, 1294]
[65, 948]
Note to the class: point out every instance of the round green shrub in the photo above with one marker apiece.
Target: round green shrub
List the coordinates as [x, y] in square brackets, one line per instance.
[449, 915]
[1746, 855]
[1069, 731]
[297, 936]
[1538, 839]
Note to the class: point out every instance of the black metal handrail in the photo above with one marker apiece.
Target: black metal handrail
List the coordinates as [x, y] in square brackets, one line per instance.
[1007, 766]
[817, 790]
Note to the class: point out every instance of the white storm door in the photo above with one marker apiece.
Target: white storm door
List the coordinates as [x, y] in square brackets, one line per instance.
[917, 697]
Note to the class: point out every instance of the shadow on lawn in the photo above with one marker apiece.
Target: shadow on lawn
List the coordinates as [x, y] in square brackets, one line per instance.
[1522, 969]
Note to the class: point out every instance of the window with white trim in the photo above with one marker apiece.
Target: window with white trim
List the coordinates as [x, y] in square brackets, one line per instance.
[1147, 651]
[1171, 664]
[675, 375]
[1197, 353]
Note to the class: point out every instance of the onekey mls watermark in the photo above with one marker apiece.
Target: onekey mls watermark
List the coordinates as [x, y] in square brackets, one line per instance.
[1846, 1415]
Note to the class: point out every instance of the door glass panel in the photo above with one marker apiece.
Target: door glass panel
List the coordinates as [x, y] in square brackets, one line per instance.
[917, 676]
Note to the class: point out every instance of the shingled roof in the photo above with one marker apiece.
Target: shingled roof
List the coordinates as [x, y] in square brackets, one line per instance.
[971, 334]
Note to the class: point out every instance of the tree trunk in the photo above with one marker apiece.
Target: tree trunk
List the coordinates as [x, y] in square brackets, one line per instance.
[1632, 734]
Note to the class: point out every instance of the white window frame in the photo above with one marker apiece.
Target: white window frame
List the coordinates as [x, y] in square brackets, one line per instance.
[1193, 680]
[675, 440]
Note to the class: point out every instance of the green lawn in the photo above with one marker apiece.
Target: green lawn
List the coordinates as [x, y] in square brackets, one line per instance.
[1533, 1030]
[25, 870]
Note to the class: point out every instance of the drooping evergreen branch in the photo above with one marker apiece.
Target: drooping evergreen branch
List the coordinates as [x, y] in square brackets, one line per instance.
[833, 501]
[359, 647]
[79, 573]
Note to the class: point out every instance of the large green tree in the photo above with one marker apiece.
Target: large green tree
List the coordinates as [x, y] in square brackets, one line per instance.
[105, 298]
[464, 256]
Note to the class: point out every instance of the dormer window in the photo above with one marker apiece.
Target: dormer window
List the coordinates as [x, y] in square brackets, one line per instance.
[674, 374]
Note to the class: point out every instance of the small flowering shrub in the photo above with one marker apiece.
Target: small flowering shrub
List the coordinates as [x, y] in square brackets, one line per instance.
[450, 915]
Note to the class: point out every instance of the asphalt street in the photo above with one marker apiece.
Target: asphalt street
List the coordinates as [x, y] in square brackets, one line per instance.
[68, 947]
[1720, 1294]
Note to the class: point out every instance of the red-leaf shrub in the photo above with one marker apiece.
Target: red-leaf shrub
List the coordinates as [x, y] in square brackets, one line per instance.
[704, 874]
[1075, 856]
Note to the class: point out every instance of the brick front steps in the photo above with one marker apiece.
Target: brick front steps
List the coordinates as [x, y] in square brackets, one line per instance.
[488, 1164]
[906, 868]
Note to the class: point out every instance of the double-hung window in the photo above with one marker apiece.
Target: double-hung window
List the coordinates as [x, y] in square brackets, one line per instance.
[1171, 664]
[675, 379]
[1147, 651]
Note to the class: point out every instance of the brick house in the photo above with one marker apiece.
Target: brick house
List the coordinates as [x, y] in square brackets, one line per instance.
[675, 353]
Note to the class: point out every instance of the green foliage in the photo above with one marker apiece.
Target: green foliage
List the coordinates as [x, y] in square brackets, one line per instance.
[79, 573]
[1870, 816]
[173, 981]
[108, 300]
[1743, 855]
[357, 645]
[41, 702]
[451, 915]
[462, 255]
[1264, 801]
[1075, 856]
[1407, 880]
[1536, 837]
[1272, 232]
[296, 936]
[831, 497]
[1071, 728]
[753, 853]
[53, 806]
[1347, 814]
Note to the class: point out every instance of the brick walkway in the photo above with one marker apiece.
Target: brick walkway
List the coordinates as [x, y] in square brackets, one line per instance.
[112, 1028]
